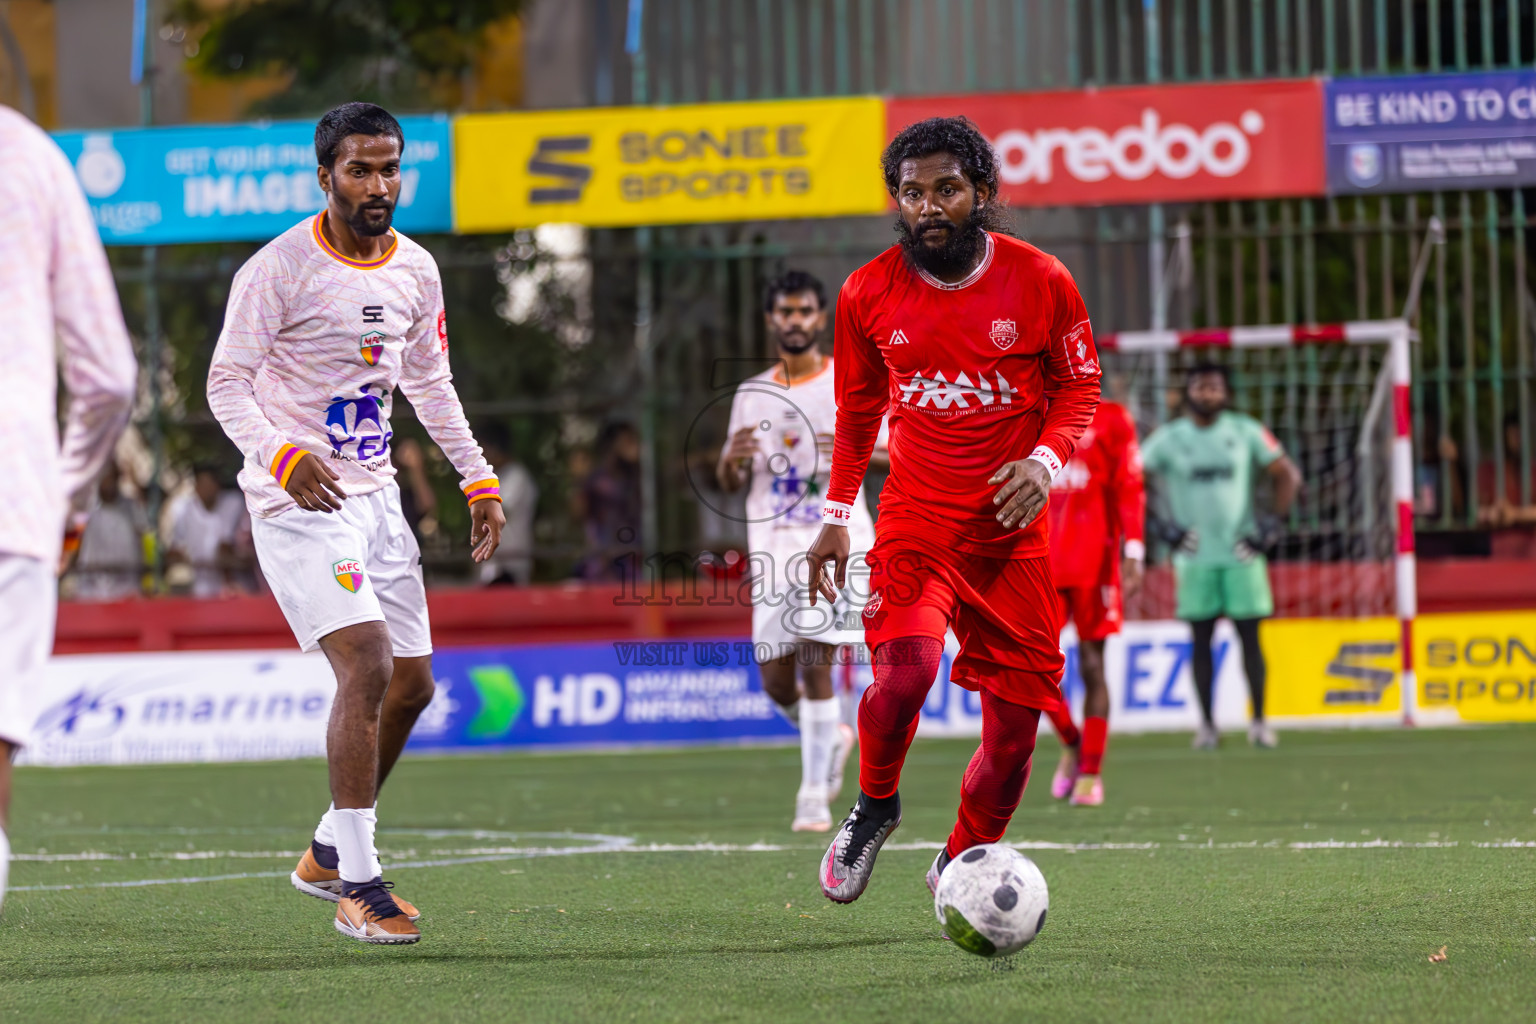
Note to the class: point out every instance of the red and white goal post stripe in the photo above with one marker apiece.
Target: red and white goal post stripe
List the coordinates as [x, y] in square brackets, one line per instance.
[1396, 335]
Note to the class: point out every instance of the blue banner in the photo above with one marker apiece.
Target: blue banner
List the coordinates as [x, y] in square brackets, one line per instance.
[1425, 133]
[161, 186]
[659, 691]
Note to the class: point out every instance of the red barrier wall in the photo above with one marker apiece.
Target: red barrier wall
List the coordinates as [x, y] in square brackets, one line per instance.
[572, 614]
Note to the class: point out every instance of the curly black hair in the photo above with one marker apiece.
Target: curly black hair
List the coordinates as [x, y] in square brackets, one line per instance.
[954, 135]
[793, 282]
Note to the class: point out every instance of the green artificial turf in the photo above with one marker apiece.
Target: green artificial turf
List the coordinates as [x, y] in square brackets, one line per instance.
[1205, 908]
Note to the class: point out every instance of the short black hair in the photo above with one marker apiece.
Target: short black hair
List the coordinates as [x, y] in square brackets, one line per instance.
[1207, 368]
[954, 135]
[793, 282]
[352, 119]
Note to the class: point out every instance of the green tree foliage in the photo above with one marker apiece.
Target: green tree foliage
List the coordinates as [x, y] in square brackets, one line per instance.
[405, 54]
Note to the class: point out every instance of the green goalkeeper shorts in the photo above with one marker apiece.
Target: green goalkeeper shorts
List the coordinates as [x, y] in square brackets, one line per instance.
[1235, 591]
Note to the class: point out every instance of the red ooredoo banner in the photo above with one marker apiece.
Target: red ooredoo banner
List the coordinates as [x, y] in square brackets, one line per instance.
[1143, 144]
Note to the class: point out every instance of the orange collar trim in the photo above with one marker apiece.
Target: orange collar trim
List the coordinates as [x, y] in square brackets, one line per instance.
[778, 374]
[331, 251]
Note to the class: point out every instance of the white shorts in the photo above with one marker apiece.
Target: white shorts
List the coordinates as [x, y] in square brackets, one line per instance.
[334, 569]
[29, 600]
[782, 614]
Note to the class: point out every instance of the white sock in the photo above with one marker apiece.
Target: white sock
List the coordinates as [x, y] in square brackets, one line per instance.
[5, 863]
[791, 712]
[325, 832]
[818, 739]
[354, 843]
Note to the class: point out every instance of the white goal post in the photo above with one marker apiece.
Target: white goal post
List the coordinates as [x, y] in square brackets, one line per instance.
[1394, 380]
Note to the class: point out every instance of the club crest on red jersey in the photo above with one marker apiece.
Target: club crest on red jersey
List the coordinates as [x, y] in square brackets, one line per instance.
[349, 573]
[1004, 333]
[873, 607]
[371, 345]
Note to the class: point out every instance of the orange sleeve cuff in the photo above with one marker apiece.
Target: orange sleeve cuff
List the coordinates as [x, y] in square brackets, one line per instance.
[284, 463]
[485, 490]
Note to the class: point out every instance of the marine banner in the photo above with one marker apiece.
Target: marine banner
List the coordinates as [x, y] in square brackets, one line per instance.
[230, 183]
[669, 165]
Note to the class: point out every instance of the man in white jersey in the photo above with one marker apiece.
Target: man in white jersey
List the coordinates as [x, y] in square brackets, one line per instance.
[322, 324]
[780, 439]
[54, 283]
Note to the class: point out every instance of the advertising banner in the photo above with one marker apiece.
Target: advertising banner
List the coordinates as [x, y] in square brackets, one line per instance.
[1333, 668]
[1476, 667]
[1418, 133]
[1143, 144]
[252, 182]
[669, 165]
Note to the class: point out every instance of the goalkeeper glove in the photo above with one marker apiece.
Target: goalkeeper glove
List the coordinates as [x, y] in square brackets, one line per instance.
[1263, 541]
[1175, 536]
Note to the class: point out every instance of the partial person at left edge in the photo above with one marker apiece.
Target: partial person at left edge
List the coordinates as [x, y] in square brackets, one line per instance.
[54, 283]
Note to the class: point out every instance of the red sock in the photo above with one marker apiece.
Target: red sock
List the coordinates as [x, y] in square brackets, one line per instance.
[1061, 718]
[904, 672]
[995, 779]
[1095, 738]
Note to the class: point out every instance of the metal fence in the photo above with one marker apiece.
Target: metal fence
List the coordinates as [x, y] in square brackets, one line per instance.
[1232, 262]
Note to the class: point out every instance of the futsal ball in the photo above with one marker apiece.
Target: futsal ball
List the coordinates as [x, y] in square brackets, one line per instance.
[991, 900]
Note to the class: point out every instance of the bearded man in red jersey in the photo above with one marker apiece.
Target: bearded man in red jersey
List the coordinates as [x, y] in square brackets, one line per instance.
[979, 346]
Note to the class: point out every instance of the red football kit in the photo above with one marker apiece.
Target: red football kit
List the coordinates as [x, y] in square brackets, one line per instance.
[1097, 500]
[996, 368]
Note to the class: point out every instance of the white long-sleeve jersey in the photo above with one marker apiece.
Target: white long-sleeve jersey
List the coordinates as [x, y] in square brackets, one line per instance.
[54, 284]
[313, 346]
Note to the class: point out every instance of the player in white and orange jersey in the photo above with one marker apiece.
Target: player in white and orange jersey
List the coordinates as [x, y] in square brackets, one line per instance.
[54, 283]
[322, 324]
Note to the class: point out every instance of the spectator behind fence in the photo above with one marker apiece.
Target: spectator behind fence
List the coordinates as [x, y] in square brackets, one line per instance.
[513, 561]
[200, 543]
[110, 564]
[1513, 521]
[610, 503]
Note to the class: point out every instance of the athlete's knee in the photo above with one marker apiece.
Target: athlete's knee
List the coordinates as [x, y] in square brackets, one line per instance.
[361, 657]
[412, 687]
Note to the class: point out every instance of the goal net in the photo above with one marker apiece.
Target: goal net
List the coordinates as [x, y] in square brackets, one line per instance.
[1337, 399]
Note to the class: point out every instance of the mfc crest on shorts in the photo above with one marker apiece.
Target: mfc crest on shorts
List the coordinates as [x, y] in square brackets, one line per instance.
[334, 569]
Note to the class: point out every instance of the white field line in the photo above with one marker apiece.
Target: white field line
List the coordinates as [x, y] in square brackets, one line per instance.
[627, 845]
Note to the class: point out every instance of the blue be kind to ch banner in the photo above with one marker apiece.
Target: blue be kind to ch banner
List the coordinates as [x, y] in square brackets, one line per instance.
[162, 186]
[1426, 133]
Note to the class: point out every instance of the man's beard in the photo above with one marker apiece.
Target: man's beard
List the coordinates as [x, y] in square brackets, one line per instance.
[958, 253]
[360, 224]
[796, 343]
[1207, 409]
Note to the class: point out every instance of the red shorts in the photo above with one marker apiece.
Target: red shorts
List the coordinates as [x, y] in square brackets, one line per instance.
[1096, 611]
[1003, 611]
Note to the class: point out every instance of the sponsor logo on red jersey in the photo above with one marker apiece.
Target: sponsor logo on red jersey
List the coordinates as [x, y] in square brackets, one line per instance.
[936, 391]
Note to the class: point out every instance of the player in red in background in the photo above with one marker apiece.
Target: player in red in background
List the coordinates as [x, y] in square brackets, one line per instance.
[1097, 500]
[979, 346]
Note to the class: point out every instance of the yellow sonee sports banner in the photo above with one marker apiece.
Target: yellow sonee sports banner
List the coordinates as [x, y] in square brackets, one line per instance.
[669, 165]
[1332, 667]
[1479, 665]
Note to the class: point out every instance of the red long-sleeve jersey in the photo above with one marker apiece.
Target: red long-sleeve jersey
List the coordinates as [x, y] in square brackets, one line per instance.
[989, 370]
[1097, 500]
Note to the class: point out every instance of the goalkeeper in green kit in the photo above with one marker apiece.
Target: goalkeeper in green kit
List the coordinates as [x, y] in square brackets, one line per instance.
[1205, 466]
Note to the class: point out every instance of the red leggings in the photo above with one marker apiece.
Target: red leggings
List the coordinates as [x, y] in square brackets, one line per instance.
[994, 781]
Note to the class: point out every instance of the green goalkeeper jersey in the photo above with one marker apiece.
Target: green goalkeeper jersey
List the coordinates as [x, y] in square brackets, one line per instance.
[1206, 477]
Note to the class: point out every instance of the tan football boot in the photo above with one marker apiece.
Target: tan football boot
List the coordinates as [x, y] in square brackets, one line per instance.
[371, 915]
[325, 883]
